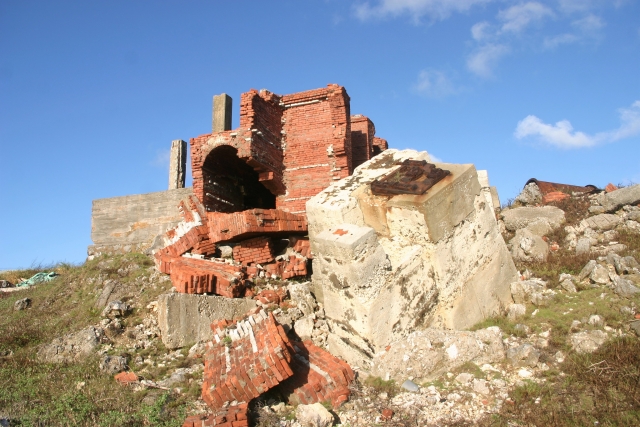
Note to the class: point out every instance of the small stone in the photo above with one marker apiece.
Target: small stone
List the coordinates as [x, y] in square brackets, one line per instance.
[523, 373]
[568, 286]
[464, 378]
[635, 327]
[387, 414]
[596, 320]
[116, 309]
[22, 304]
[113, 364]
[600, 275]
[587, 341]
[480, 386]
[410, 386]
[625, 288]
[516, 311]
[523, 355]
[583, 246]
[587, 270]
[314, 415]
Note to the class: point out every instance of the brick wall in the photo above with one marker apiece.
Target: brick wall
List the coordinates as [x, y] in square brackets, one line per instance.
[362, 132]
[253, 251]
[317, 144]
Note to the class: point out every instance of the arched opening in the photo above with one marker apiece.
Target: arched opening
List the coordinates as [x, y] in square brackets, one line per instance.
[230, 185]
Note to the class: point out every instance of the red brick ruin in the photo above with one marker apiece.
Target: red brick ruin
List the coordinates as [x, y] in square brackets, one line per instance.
[250, 188]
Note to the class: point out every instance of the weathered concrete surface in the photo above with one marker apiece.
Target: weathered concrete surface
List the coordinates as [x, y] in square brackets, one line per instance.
[525, 217]
[132, 222]
[618, 198]
[221, 117]
[185, 319]
[177, 164]
[384, 266]
[425, 355]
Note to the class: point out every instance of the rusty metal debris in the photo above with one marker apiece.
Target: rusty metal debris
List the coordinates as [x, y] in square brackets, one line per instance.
[412, 177]
[550, 187]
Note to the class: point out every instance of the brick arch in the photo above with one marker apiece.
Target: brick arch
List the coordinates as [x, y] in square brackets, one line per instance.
[230, 184]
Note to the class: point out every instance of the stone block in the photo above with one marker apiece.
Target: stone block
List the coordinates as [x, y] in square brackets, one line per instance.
[184, 319]
[221, 117]
[616, 199]
[177, 164]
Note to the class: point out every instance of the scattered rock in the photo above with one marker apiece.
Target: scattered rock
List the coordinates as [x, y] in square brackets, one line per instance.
[583, 246]
[410, 386]
[587, 341]
[516, 311]
[301, 295]
[587, 270]
[22, 304]
[568, 285]
[596, 320]
[520, 218]
[113, 364]
[616, 199]
[635, 327]
[600, 275]
[5, 284]
[601, 222]
[116, 309]
[73, 346]
[314, 415]
[523, 355]
[526, 246]
[530, 195]
[464, 378]
[304, 327]
[625, 288]
[480, 387]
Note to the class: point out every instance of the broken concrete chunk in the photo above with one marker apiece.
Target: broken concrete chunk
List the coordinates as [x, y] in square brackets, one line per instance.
[113, 364]
[73, 346]
[429, 353]
[518, 218]
[304, 327]
[184, 319]
[116, 309]
[526, 246]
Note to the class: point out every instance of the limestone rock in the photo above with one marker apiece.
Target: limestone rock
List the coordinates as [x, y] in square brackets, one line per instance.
[113, 364]
[300, 293]
[516, 311]
[625, 288]
[530, 195]
[518, 218]
[523, 290]
[583, 246]
[587, 341]
[304, 327]
[601, 222]
[429, 353]
[600, 275]
[314, 415]
[116, 309]
[523, 355]
[22, 304]
[618, 198]
[635, 327]
[73, 346]
[526, 246]
[587, 270]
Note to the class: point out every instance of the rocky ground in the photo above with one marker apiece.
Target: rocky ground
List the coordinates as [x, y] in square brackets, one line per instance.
[566, 351]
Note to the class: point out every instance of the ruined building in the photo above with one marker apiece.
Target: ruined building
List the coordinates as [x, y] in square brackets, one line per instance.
[303, 188]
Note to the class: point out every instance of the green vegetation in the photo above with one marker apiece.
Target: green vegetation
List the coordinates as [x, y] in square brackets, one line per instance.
[34, 393]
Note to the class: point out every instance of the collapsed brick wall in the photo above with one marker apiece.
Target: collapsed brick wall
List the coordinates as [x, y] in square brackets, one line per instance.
[255, 355]
[229, 227]
[253, 251]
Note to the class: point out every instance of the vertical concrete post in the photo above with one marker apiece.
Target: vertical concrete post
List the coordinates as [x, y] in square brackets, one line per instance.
[177, 164]
[221, 119]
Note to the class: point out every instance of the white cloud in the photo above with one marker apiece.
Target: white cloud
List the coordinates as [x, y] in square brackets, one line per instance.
[588, 24]
[483, 60]
[480, 31]
[434, 84]
[435, 9]
[518, 17]
[562, 134]
[560, 39]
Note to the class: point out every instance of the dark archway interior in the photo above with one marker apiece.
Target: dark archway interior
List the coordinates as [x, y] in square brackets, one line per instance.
[230, 185]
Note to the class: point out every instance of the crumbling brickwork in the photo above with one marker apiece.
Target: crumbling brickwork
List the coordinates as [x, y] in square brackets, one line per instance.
[240, 225]
[253, 251]
[254, 355]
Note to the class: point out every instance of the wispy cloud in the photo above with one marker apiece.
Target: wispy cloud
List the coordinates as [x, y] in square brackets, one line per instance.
[161, 158]
[434, 9]
[563, 135]
[560, 39]
[485, 58]
[434, 84]
[517, 18]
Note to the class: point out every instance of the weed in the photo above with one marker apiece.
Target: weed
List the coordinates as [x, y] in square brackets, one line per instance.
[381, 386]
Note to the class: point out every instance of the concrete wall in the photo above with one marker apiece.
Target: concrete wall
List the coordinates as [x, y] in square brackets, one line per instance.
[122, 224]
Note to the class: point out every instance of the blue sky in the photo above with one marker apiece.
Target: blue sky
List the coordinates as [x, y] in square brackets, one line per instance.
[93, 92]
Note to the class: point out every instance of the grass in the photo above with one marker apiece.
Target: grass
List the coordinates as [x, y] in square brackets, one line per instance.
[378, 385]
[35, 393]
[602, 388]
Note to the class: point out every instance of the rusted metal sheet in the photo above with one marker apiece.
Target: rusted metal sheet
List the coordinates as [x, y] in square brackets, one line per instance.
[412, 177]
[550, 187]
